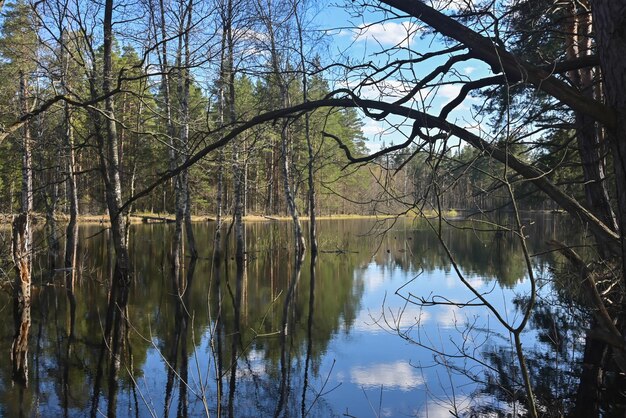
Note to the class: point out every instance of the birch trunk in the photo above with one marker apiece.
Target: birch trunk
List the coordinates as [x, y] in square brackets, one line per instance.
[109, 156]
[309, 143]
[284, 137]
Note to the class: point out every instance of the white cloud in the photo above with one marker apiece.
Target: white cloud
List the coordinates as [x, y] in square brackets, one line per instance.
[399, 375]
[469, 70]
[448, 91]
[372, 127]
[387, 33]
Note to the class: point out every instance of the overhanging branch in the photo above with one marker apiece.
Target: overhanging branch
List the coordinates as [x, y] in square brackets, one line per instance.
[501, 60]
[421, 120]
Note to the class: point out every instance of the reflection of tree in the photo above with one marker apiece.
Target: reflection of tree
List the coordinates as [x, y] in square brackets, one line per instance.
[245, 344]
[116, 327]
[553, 362]
[481, 252]
[309, 328]
[21, 301]
[285, 332]
[178, 343]
[21, 304]
[236, 340]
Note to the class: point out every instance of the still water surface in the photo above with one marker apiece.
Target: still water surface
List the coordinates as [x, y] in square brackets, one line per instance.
[276, 342]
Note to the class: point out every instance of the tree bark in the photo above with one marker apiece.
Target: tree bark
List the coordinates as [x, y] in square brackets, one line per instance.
[579, 44]
[27, 159]
[309, 143]
[283, 85]
[109, 155]
[184, 83]
[21, 301]
[609, 18]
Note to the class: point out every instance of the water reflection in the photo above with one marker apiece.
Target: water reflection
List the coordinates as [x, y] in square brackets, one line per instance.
[265, 335]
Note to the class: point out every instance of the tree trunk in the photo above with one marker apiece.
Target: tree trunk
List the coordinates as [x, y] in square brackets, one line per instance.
[609, 18]
[109, 156]
[21, 302]
[284, 138]
[27, 159]
[183, 86]
[309, 143]
[579, 44]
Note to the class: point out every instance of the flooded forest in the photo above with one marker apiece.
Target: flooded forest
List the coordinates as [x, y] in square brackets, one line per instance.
[312, 208]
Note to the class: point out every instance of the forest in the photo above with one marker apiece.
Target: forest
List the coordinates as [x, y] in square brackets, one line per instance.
[218, 111]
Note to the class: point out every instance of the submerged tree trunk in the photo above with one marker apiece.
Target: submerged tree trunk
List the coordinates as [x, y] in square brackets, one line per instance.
[22, 252]
[108, 150]
[71, 188]
[229, 115]
[21, 302]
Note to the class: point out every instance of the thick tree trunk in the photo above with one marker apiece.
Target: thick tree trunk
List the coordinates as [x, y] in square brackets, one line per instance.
[22, 252]
[609, 18]
[579, 44]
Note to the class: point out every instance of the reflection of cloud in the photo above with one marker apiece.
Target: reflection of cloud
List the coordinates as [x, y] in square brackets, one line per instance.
[387, 33]
[476, 282]
[399, 375]
[401, 318]
[452, 281]
[374, 277]
[444, 410]
[449, 316]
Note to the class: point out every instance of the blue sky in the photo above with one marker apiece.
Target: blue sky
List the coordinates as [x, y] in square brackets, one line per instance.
[361, 39]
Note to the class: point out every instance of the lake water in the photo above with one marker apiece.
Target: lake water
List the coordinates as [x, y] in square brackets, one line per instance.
[355, 338]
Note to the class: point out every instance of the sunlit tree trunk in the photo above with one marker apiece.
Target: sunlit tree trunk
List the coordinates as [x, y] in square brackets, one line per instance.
[285, 132]
[21, 303]
[579, 44]
[184, 83]
[307, 133]
[27, 158]
[109, 159]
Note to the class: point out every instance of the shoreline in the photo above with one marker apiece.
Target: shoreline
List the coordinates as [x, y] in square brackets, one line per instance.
[138, 218]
